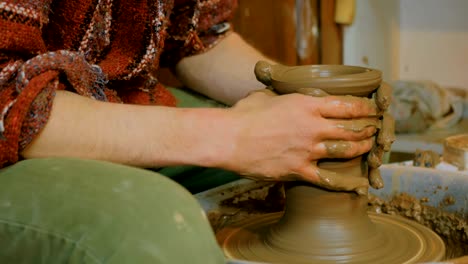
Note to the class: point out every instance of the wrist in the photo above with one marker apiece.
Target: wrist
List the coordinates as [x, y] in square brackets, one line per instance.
[210, 136]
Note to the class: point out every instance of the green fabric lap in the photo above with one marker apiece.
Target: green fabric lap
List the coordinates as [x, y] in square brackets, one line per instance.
[191, 99]
[79, 211]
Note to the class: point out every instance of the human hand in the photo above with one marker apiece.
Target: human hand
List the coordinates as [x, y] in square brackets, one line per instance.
[283, 137]
[385, 135]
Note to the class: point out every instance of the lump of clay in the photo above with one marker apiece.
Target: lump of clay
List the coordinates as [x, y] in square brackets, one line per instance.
[426, 159]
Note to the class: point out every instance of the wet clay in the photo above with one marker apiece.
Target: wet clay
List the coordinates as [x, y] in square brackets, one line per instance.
[390, 240]
[338, 232]
[270, 199]
[322, 226]
[387, 134]
[336, 175]
[375, 156]
[365, 102]
[426, 158]
[312, 92]
[453, 228]
[336, 148]
[375, 178]
[383, 96]
[286, 79]
[358, 125]
[456, 151]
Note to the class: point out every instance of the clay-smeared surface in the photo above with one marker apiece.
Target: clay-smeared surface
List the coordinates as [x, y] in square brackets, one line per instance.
[375, 179]
[329, 234]
[383, 96]
[350, 175]
[395, 240]
[320, 226]
[451, 227]
[387, 134]
[358, 125]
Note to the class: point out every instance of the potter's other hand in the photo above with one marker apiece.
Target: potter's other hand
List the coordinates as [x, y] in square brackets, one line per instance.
[385, 136]
[282, 137]
[383, 96]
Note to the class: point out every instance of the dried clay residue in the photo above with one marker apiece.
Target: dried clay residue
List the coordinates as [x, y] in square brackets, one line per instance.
[452, 228]
[267, 199]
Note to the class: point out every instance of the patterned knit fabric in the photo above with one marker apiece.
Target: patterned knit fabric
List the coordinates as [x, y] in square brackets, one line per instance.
[107, 50]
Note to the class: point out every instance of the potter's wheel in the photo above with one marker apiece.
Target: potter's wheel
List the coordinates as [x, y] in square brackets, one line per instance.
[321, 226]
[394, 240]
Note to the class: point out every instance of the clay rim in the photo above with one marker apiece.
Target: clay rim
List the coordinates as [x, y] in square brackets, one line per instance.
[334, 79]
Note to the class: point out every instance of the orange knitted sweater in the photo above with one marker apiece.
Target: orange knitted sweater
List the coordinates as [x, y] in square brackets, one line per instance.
[108, 50]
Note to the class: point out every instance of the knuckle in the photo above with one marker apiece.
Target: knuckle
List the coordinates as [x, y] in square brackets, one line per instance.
[359, 148]
[299, 101]
[296, 97]
[355, 151]
[318, 151]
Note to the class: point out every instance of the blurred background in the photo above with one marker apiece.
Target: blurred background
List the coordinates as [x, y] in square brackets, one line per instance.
[406, 39]
[421, 47]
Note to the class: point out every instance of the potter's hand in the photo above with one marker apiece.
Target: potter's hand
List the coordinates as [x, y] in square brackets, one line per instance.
[385, 137]
[282, 137]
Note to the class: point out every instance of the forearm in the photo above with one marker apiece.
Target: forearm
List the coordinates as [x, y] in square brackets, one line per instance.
[224, 73]
[147, 136]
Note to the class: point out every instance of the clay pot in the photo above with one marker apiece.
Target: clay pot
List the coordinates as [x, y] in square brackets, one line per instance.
[333, 79]
[321, 219]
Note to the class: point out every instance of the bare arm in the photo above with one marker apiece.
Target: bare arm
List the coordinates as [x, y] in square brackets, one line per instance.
[147, 136]
[155, 136]
[224, 73]
[262, 136]
[245, 138]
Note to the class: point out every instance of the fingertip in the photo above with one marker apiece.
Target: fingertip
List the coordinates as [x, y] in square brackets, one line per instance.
[375, 179]
[370, 142]
[365, 107]
[362, 191]
[375, 156]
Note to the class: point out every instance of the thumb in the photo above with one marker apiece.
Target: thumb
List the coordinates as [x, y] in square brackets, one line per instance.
[335, 181]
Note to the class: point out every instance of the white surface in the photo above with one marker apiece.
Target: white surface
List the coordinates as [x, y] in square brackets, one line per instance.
[411, 39]
[373, 39]
[434, 41]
